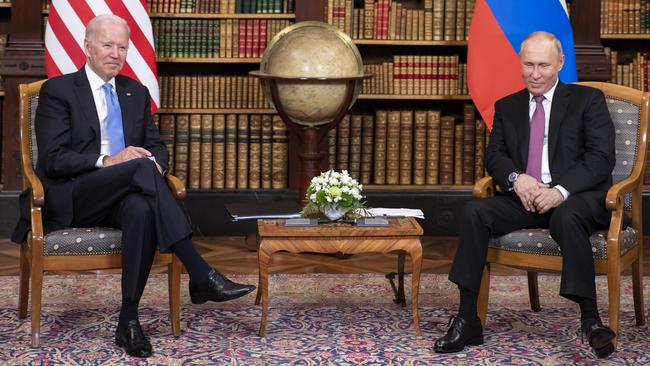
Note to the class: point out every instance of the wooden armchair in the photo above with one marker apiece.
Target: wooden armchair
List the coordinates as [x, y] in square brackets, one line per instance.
[614, 249]
[71, 248]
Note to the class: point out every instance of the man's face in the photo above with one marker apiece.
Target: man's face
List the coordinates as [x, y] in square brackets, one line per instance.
[540, 65]
[106, 50]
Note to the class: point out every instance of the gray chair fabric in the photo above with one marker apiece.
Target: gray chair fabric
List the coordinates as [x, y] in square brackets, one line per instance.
[83, 241]
[73, 241]
[539, 241]
[627, 119]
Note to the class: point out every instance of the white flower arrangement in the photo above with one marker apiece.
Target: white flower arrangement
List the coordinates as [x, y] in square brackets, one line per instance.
[332, 190]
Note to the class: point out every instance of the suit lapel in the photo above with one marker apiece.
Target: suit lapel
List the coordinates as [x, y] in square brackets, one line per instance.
[124, 95]
[86, 100]
[522, 124]
[558, 111]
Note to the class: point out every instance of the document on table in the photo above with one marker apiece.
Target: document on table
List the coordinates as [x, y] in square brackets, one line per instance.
[403, 212]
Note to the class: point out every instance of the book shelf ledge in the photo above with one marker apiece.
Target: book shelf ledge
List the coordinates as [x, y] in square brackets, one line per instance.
[414, 97]
[237, 60]
[625, 36]
[215, 111]
[224, 16]
[418, 187]
[5, 5]
[2, 93]
[397, 42]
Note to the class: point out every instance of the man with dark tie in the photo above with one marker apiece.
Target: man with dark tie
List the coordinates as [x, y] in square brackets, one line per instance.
[552, 155]
[102, 163]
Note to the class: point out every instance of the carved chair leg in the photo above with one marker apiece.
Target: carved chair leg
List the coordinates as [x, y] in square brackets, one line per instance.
[637, 286]
[174, 277]
[613, 290]
[37, 288]
[23, 294]
[533, 291]
[483, 294]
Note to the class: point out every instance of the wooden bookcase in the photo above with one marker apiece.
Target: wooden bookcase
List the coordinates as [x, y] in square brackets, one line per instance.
[442, 203]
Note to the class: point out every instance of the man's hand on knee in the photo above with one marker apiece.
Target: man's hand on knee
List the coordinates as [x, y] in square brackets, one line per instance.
[525, 188]
[129, 153]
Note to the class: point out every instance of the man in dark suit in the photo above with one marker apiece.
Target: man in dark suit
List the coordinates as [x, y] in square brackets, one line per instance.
[552, 154]
[102, 162]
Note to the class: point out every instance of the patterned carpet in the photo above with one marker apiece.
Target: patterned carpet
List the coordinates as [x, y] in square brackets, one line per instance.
[314, 319]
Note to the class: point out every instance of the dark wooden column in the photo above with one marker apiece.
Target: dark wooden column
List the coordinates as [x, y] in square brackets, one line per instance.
[23, 62]
[592, 63]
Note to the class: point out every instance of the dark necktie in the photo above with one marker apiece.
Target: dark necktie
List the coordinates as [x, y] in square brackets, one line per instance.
[114, 128]
[536, 141]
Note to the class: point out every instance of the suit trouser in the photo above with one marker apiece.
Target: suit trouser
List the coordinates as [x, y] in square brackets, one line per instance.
[570, 224]
[134, 197]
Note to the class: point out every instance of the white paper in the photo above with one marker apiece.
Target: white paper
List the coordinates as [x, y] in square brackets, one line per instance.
[402, 212]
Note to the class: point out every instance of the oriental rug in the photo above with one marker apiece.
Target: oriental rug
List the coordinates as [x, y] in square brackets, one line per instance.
[314, 319]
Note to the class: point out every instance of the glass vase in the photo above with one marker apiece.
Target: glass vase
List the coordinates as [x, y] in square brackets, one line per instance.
[333, 212]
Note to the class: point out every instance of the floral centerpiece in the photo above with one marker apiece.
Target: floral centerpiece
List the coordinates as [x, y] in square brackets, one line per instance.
[334, 195]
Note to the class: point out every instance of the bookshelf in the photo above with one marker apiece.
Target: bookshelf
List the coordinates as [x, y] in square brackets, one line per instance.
[442, 203]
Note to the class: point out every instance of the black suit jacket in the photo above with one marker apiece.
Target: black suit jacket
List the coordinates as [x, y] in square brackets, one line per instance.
[69, 140]
[580, 139]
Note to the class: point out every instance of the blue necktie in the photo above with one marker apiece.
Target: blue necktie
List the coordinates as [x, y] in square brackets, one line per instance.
[113, 121]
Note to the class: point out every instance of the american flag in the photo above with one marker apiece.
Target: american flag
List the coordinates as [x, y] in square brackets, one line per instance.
[64, 39]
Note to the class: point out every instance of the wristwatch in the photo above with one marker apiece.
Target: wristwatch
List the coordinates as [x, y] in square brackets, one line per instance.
[512, 178]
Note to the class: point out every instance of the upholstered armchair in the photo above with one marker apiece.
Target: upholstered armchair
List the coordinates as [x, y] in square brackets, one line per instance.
[615, 249]
[71, 248]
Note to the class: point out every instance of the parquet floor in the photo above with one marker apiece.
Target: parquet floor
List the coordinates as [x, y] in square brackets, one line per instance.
[230, 255]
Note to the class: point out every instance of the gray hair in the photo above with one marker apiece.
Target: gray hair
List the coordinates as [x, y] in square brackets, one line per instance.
[546, 35]
[95, 22]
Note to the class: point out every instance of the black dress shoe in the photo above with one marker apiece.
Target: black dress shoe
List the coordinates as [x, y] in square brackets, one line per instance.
[131, 337]
[461, 333]
[218, 288]
[600, 337]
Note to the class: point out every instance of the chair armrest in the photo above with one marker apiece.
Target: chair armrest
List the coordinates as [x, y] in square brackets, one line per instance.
[176, 186]
[33, 182]
[484, 187]
[614, 198]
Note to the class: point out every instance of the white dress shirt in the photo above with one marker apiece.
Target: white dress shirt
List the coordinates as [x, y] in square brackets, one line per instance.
[547, 103]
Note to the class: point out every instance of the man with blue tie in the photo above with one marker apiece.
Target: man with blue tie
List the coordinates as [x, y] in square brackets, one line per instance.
[102, 162]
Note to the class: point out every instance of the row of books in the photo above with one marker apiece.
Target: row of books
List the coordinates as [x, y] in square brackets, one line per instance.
[221, 6]
[211, 38]
[410, 147]
[625, 16]
[631, 72]
[438, 20]
[209, 91]
[226, 151]
[417, 75]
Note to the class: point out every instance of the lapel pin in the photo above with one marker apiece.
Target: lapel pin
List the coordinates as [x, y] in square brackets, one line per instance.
[128, 94]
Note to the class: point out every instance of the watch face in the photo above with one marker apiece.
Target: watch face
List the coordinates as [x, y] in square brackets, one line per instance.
[513, 177]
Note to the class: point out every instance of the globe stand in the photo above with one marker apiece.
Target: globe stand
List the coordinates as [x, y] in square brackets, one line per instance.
[310, 136]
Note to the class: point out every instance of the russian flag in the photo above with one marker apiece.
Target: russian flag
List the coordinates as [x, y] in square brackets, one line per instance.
[497, 30]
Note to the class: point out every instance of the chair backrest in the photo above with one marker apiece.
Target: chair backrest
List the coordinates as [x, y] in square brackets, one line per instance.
[630, 110]
[27, 106]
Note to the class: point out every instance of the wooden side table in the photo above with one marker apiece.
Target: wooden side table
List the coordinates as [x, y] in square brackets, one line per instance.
[402, 235]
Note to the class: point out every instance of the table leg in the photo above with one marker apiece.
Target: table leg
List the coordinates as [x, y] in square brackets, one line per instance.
[415, 250]
[400, 276]
[263, 290]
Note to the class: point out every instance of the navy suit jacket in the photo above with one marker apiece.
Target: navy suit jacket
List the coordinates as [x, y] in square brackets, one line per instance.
[581, 139]
[69, 140]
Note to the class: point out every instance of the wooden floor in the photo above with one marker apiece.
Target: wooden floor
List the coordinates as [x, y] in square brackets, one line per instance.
[230, 255]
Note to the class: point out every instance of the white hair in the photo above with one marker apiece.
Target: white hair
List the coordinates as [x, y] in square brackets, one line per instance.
[95, 22]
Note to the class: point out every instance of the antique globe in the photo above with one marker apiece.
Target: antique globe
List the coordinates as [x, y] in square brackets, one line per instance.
[312, 64]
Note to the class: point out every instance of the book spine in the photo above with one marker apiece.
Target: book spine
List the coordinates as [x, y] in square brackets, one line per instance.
[433, 147]
[406, 147]
[182, 148]
[195, 151]
[420, 148]
[242, 151]
[343, 144]
[355, 146]
[366, 149]
[381, 121]
[266, 151]
[280, 154]
[469, 141]
[392, 147]
[231, 151]
[219, 152]
[207, 129]
[254, 153]
[446, 169]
